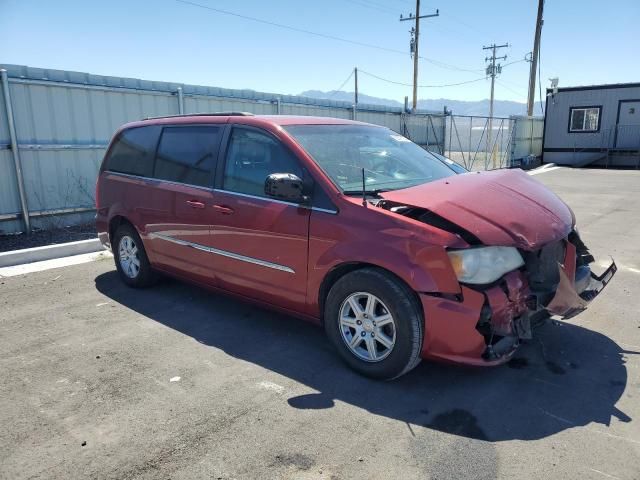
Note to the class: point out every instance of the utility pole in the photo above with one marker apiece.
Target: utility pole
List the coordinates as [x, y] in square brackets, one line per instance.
[534, 60]
[415, 34]
[492, 71]
[356, 87]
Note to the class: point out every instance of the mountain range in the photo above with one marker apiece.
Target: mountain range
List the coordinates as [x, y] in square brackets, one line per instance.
[501, 108]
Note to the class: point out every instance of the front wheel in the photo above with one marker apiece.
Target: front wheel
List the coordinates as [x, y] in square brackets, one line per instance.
[375, 324]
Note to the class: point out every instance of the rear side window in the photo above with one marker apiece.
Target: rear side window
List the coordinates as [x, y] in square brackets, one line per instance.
[133, 151]
[188, 154]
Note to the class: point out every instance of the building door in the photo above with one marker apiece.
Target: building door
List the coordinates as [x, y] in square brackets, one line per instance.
[628, 126]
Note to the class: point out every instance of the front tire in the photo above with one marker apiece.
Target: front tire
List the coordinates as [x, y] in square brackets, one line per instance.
[131, 258]
[374, 322]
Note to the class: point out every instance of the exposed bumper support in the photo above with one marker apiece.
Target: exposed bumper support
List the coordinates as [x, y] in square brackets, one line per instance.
[568, 302]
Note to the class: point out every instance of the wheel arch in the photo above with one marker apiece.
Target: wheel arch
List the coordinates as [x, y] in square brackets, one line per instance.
[343, 269]
[115, 222]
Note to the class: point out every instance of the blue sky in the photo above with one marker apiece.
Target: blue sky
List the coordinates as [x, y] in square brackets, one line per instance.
[583, 42]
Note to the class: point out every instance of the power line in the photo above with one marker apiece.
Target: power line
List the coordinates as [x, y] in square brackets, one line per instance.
[504, 85]
[504, 82]
[374, 2]
[469, 26]
[343, 84]
[380, 6]
[515, 61]
[372, 6]
[318, 34]
[509, 82]
[440, 64]
[289, 27]
[420, 86]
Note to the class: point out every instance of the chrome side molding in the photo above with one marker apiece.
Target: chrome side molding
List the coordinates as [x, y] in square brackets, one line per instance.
[223, 253]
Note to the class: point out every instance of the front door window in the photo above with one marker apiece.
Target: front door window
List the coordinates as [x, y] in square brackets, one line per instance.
[251, 157]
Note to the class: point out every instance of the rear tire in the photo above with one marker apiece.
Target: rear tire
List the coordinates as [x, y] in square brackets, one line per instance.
[374, 322]
[131, 258]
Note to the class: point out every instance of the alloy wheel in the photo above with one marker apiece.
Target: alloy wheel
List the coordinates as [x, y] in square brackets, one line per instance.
[129, 258]
[367, 327]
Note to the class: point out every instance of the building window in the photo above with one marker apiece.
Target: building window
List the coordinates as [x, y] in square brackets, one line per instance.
[584, 119]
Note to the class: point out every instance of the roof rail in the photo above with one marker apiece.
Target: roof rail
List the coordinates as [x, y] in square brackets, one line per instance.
[212, 114]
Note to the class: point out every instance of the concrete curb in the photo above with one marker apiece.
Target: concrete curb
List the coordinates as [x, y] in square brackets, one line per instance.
[49, 252]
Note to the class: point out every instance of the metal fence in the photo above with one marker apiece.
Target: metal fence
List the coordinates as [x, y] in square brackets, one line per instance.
[484, 143]
[55, 125]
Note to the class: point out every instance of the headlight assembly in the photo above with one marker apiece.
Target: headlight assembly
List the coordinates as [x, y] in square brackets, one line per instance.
[485, 264]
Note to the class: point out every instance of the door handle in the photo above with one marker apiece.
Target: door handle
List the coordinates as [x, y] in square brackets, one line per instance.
[195, 204]
[223, 209]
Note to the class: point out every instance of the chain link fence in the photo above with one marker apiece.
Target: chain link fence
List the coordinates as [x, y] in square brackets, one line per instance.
[485, 143]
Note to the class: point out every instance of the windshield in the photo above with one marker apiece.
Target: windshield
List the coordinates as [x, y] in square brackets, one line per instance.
[456, 167]
[390, 161]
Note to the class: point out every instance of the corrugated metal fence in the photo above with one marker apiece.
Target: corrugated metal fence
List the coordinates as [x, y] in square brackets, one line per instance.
[63, 121]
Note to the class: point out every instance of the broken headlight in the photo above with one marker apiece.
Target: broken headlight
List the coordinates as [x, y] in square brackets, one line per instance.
[484, 264]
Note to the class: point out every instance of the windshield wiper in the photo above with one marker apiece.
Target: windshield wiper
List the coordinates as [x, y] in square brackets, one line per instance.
[375, 191]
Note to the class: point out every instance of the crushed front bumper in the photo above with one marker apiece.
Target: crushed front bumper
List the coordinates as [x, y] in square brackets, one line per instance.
[568, 302]
[485, 326]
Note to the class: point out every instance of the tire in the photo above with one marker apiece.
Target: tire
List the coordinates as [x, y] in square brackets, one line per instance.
[131, 258]
[388, 297]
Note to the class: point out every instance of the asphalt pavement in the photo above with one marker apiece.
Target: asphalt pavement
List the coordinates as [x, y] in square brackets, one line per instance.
[102, 381]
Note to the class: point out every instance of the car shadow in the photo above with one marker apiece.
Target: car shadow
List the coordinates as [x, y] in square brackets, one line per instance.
[567, 376]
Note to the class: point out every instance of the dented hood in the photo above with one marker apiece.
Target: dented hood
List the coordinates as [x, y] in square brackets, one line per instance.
[500, 207]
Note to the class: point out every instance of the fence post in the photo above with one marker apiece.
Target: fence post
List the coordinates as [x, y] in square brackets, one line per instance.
[530, 120]
[426, 127]
[180, 101]
[278, 105]
[444, 134]
[514, 139]
[15, 152]
[354, 112]
[450, 129]
[469, 144]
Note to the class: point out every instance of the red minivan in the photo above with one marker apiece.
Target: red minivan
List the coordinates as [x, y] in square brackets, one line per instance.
[398, 252]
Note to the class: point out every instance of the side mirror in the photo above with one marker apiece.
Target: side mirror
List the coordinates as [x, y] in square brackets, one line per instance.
[285, 186]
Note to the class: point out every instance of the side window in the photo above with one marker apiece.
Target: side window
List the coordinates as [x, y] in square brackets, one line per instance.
[188, 154]
[251, 157]
[133, 151]
[584, 119]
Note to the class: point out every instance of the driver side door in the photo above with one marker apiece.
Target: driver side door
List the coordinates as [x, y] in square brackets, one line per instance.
[261, 244]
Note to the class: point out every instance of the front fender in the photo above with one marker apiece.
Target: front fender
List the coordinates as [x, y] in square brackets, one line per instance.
[424, 268]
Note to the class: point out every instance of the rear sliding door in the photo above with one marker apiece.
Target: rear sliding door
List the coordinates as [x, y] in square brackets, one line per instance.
[180, 197]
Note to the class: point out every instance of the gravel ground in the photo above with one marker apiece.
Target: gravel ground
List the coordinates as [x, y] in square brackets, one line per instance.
[39, 238]
[103, 381]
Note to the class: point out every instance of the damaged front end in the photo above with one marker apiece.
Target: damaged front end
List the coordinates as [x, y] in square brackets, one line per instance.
[486, 322]
[554, 280]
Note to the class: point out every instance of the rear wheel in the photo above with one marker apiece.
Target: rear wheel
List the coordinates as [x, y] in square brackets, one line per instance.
[131, 259]
[373, 321]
